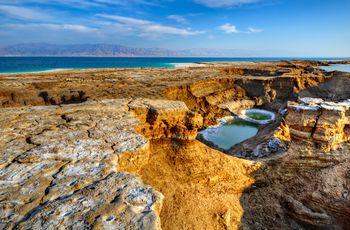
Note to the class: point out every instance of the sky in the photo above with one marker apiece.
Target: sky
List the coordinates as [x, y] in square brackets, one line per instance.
[312, 28]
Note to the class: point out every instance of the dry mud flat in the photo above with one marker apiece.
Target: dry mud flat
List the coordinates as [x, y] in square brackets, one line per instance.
[117, 149]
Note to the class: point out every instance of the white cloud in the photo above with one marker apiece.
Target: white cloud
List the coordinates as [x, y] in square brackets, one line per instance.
[67, 27]
[253, 30]
[224, 3]
[72, 27]
[177, 18]
[125, 20]
[228, 28]
[126, 3]
[86, 3]
[149, 28]
[22, 13]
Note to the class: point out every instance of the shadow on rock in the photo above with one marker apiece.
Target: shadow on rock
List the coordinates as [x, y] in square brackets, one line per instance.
[303, 189]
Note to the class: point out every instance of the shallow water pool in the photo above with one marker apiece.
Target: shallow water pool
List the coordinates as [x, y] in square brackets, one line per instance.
[258, 116]
[229, 133]
[339, 67]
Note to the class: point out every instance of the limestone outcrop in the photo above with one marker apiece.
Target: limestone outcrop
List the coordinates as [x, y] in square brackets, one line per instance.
[325, 123]
[215, 98]
[59, 169]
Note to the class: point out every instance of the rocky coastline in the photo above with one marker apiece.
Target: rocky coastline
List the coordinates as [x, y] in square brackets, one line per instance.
[118, 148]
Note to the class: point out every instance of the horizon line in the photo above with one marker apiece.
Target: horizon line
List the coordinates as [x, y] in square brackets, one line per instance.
[107, 56]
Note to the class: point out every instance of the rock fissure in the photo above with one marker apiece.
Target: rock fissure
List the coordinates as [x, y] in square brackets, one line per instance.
[314, 128]
[47, 189]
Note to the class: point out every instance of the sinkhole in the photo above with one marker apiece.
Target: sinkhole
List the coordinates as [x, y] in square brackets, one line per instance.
[258, 116]
[235, 129]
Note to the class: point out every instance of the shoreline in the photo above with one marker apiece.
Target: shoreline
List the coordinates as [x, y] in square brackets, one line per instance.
[40, 71]
[166, 66]
[79, 69]
[179, 65]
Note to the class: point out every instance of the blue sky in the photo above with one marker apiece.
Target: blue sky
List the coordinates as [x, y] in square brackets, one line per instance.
[275, 27]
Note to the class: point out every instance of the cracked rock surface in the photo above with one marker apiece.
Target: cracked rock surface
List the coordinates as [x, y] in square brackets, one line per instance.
[59, 169]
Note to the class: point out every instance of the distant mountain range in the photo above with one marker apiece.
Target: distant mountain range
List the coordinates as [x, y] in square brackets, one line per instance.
[107, 50]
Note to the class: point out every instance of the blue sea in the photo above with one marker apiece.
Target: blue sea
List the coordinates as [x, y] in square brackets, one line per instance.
[338, 67]
[39, 64]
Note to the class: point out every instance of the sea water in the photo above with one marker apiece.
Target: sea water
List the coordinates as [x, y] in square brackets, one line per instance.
[338, 67]
[38, 64]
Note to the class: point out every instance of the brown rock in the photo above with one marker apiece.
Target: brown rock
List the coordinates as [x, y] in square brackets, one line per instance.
[325, 123]
[166, 119]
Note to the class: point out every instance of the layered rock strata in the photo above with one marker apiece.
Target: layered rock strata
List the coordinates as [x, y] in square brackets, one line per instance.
[325, 123]
[231, 94]
[166, 119]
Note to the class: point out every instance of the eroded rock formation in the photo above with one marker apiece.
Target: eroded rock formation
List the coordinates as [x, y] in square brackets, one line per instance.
[85, 160]
[320, 120]
[166, 119]
[303, 189]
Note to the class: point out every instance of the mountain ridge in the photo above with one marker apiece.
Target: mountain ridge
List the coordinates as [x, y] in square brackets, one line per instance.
[115, 50]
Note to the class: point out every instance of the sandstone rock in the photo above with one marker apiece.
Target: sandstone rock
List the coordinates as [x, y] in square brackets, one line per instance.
[335, 89]
[214, 98]
[330, 128]
[236, 106]
[304, 214]
[218, 97]
[205, 88]
[166, 119]
[325, 123]
[302, 120]
[301, 189]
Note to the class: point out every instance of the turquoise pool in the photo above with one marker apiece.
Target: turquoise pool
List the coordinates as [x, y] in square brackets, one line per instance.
[229, 133]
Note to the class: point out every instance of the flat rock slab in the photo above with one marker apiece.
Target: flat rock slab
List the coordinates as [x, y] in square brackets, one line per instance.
[59, 168]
